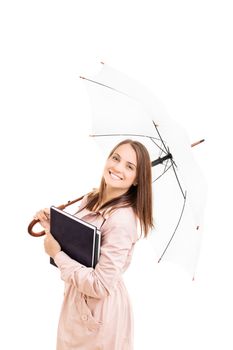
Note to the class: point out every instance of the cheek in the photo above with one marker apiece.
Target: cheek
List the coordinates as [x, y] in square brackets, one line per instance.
[106, 169]
[108, 164]
[132, 177]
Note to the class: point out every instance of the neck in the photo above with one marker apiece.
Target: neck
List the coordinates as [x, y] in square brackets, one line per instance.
[107, 196]
[110, 194]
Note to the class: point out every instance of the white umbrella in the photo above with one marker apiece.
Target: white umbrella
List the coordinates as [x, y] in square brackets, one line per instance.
[123, 108]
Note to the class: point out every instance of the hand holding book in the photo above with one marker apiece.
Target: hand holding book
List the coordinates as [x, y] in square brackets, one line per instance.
[51, 245]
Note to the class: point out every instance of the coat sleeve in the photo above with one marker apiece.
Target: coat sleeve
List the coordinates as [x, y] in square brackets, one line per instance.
[118, 237]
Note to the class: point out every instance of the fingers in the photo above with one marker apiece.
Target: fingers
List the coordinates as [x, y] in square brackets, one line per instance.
[51, 246]
[47, 211]
[43, 215]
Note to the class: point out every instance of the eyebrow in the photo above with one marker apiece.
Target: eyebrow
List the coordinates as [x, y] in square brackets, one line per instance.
[126, 161]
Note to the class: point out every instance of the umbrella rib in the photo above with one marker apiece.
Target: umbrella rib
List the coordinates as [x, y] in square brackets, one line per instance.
[101, 84]
[172, 163]
[138, 135]
[161, 174]
[182, 211]
[153, 140]
[165, 167]
[160, 136]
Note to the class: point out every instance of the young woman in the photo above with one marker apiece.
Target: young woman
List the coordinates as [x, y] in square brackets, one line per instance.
[96, 312]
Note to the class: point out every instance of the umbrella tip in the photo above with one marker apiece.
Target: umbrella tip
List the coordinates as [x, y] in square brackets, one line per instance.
[81, 77]
[197, 143]
[102, 62]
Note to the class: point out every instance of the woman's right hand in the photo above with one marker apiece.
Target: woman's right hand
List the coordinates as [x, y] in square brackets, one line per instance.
[44, 218]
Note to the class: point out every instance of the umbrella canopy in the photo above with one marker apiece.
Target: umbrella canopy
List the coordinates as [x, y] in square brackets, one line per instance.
[123, 108]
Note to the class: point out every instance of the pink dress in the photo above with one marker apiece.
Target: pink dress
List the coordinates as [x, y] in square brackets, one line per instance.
[96, 313]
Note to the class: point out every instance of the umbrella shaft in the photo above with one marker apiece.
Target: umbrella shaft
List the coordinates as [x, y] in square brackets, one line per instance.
[160, 160]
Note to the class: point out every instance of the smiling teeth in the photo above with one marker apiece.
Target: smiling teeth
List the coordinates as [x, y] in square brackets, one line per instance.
[114, 176]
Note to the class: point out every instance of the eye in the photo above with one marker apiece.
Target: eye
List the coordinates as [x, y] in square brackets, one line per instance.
[129, 166]
[114, 157]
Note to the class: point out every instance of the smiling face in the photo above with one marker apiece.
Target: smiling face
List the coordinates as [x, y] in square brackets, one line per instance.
[121, 169]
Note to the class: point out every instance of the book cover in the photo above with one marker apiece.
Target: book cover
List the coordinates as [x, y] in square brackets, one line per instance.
[78, 239]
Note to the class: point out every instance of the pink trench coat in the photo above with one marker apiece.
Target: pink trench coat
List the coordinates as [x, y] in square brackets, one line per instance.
[96, 313]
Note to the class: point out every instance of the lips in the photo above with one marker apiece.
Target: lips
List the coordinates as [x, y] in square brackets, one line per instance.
[114, 176]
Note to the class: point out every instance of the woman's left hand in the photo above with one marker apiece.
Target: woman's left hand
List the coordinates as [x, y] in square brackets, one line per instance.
[51, 246]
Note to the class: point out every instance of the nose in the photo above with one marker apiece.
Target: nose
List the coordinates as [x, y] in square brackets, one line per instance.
[119, 167]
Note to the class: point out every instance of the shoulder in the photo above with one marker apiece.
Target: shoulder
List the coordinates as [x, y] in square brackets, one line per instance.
[124, 220]
[123, 214]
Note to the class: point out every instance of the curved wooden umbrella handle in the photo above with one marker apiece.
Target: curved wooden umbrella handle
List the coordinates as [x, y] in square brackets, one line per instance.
[35, 221]
[30, 229]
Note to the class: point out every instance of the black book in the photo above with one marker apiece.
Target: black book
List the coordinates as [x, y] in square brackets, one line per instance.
[77, 238]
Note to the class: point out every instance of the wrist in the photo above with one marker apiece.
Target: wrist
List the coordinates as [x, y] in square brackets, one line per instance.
[55, 253]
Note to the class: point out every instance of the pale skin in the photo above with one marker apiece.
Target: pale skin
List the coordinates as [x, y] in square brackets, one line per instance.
[119, 173]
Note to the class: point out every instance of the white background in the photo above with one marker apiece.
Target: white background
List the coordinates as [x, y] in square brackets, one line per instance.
[182, 50]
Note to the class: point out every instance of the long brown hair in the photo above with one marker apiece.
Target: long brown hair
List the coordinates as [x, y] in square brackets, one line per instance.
[138, 197]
